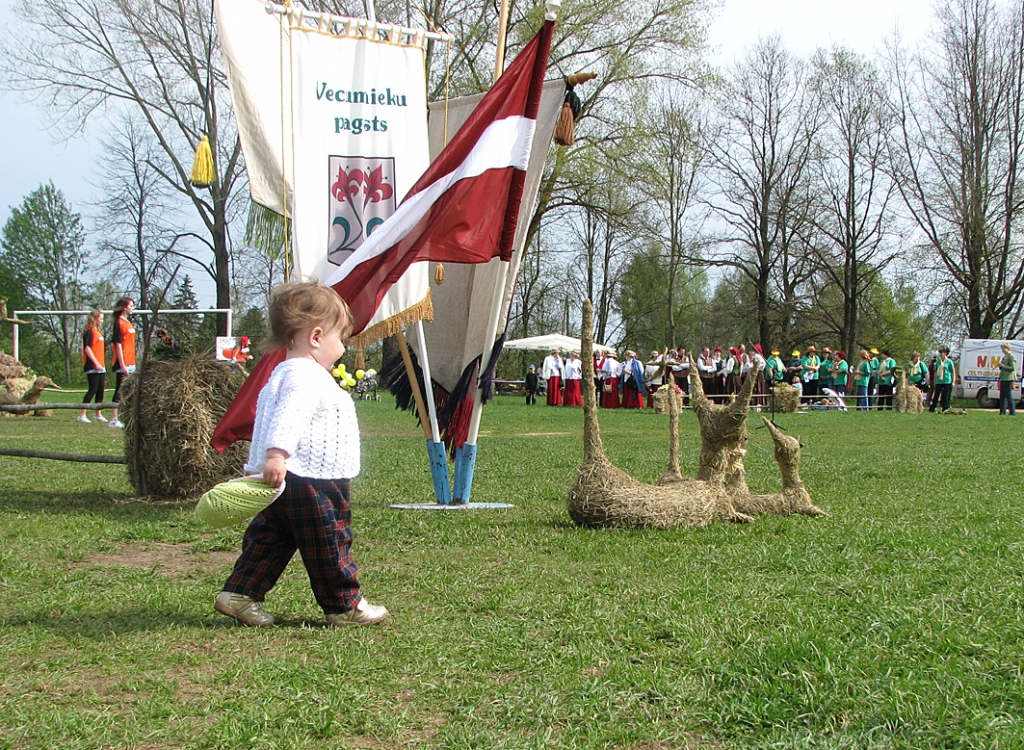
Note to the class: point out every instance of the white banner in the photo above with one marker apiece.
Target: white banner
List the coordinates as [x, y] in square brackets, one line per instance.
[353, 110]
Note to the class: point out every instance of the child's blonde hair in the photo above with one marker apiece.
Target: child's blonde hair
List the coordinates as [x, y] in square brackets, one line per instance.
[306, 304]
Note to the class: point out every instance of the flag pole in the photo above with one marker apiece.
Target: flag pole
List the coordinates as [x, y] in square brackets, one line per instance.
[465, 455]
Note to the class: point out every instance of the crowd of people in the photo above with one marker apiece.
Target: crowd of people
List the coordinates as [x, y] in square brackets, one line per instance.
[824, 379]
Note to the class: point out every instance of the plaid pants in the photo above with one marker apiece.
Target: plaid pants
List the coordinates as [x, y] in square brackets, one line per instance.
[312, 516]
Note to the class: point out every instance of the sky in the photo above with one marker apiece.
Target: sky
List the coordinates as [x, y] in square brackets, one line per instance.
[31, 156]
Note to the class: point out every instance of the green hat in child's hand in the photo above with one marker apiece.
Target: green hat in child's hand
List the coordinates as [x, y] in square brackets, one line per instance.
[235, 501]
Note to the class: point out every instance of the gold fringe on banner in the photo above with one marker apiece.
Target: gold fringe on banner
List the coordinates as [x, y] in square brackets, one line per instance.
[422, 310]
[202, 168]
[266, 231]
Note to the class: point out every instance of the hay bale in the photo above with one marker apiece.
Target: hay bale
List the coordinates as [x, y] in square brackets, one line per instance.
[787, 398]
[167, 439]
[662, 400]
[908, 398]
[11, 368]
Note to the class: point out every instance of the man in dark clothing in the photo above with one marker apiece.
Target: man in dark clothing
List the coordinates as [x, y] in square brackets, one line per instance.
[532, 385]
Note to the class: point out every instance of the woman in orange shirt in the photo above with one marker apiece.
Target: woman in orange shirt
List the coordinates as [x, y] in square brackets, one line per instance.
[93, 360]
[122, 342]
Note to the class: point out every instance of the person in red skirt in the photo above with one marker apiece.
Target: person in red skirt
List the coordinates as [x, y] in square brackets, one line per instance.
[552, 371]
[610, 370]
[632, 383]
[573, 378]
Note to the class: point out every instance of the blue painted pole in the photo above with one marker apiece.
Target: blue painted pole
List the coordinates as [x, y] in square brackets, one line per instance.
[465, 463]
[439, 472]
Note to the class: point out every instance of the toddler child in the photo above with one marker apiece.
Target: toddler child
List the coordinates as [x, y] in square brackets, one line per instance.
[305, 435]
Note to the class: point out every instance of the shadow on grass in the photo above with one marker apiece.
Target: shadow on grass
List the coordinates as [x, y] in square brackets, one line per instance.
[101, 626]
[115, 504]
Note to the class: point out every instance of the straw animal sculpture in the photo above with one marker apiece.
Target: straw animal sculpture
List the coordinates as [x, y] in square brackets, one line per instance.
[31, 396]
[794, 497]
[663, 402]
[787, 398]
[604, 496]
[723, 429]
[908, 398]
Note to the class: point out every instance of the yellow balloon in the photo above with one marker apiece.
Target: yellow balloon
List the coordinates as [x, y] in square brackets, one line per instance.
[360, 374]
[337, 372]
[342, 367]
[350, 381]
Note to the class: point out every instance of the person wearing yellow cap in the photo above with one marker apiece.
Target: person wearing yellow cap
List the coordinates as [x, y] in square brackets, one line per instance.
[863, 381]
[873, 385]
[776, 369]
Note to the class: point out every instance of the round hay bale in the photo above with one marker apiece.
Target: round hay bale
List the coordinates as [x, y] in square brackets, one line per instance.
[663, 400]
[167, 437]
[787, 398]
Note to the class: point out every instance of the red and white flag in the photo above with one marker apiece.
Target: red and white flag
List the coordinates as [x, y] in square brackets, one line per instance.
[462, 210]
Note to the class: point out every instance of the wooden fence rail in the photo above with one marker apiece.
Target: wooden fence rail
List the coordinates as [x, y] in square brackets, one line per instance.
[89, 458]
[24, 408]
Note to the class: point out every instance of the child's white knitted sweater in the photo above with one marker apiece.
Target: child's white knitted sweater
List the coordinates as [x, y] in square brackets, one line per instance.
[302, 411]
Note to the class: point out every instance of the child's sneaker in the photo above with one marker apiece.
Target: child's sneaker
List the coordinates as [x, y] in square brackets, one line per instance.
[100, 418]
[115, 423]
[243, 608]
[363, 613]
[84, 419]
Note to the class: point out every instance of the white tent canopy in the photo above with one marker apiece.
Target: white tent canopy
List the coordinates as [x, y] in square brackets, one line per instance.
[551, 341]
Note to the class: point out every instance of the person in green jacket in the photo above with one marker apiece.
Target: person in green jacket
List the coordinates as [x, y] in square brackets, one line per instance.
[863, 381]
[840, 372]
[945, 374]
[873, 385]
[1007, 377]
[886, 380]
[917, 372]
[809, 366]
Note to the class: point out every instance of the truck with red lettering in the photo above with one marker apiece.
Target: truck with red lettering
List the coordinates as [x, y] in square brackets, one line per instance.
[979, 370]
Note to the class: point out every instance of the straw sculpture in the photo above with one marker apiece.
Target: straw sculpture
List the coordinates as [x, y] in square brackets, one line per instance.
[605, 496]
[723, 429]
[663, 401]
[28, 396]
[908, 398]
[787, 398]
[167, 438]
[794, 497]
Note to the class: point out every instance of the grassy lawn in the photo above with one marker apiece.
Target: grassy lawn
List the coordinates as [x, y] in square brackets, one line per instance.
[894, 623]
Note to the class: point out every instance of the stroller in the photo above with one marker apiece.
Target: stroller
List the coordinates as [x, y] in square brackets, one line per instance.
[366, 388]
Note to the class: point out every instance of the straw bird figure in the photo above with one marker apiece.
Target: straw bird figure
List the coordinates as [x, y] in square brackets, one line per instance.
[605, 496]
[794, 497]
[31, 396]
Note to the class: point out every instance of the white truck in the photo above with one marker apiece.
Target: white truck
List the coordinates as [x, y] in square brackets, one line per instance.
[979, 370]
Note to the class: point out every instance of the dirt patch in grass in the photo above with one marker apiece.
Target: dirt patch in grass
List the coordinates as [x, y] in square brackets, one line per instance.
[172, 560]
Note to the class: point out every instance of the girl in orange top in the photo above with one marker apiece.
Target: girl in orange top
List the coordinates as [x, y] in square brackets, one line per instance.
[122, 342]
[93, 359]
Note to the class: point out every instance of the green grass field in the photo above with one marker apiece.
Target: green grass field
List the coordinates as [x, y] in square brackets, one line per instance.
[894, 623]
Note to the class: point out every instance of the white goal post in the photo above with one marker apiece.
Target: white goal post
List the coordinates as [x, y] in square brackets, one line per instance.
[19, 313]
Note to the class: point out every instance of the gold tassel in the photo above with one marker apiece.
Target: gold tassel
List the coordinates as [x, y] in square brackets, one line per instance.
[439, 274]
[564, 128]
[202, 167]
[360, 360]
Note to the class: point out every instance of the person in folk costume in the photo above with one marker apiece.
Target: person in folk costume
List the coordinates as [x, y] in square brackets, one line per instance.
[745, 362]
[573, 378]
[759, 363]
[707, 370]
[840, 372]
[825, 371]
[809, 366]
[598, 375]
[679, 364]
[732, 369]
[654, 375]
[553, 370]
[532, 385]
[717, 356]
[775, 370]
[631, 386]
[917, 372]
[863, 381]
[611, 369]
[886, 380]
[945, 377]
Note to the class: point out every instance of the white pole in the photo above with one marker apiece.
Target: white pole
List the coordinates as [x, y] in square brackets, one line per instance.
[492, 333]
[15, 339]
[428, 384]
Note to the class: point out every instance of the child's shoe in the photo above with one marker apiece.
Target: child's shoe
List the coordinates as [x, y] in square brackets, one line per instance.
[363, 613]
[243, 608]
[100, 418]
[84, 419]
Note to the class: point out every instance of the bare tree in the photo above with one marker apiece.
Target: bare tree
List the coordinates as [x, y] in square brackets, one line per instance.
[959, 105]
[157, 58]
[851, 215]
[761, 165]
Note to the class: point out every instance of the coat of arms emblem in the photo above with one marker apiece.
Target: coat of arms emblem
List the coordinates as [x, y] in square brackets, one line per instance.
[362, 197]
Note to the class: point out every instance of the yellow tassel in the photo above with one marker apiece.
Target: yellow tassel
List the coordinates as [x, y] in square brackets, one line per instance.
[565, 127]
[439, 274]
[202, 167]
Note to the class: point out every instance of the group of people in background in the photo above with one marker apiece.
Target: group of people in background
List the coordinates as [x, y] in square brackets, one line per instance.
[825, 378]
[122, 347]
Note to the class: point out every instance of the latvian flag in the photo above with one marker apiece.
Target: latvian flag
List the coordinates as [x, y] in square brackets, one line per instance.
[462, 210]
